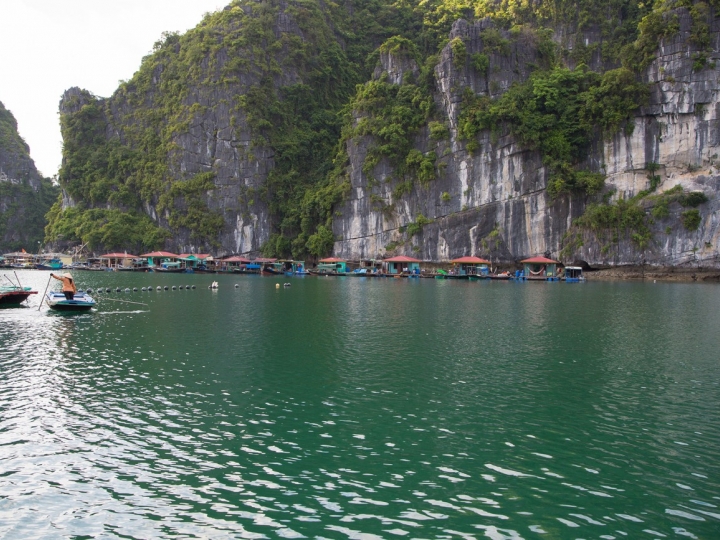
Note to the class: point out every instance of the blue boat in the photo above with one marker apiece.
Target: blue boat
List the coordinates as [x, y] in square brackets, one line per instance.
[49, 264]
[81, 301]
[574, 274]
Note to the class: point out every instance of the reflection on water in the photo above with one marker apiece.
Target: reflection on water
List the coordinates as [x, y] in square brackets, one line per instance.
[360, 408]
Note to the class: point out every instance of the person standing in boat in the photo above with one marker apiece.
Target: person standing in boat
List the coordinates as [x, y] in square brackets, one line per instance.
[68, 285]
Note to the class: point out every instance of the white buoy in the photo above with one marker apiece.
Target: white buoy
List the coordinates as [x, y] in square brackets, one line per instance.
[277, 285]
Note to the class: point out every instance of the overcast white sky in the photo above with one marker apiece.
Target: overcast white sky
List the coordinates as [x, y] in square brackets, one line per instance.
[50, 45]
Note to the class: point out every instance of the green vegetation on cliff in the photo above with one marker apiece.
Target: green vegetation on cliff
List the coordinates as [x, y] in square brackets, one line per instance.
[25, 197]
[558, 112]
[286, 82]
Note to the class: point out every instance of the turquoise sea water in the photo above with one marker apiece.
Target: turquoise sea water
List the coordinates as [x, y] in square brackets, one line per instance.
[360, 408]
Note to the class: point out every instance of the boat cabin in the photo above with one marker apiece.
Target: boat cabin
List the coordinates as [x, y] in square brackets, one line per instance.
[402, 265]
[164, 259]
[540, 268]
[574, 274]
[332, 265]
[195, 261]
[293, 267]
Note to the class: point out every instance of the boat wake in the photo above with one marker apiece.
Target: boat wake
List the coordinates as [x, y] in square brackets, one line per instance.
[122, 312]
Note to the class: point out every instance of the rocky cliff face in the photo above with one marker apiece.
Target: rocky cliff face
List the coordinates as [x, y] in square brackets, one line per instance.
[25, 197]
[207, 106]
[494, 202]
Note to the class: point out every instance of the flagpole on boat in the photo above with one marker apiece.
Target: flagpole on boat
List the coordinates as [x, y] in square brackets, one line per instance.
[46, 288]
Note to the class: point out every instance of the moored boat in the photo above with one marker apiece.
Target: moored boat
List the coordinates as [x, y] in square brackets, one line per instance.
[81, 301]
[12, 295]
[49, 264]
[573, 274]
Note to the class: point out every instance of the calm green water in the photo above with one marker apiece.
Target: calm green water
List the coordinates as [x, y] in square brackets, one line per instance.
[362, 409]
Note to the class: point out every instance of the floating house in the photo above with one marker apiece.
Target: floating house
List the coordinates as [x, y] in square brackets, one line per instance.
[266, 266]
[162, 259]
[234, 264]
[540, 268]
[20, 259]
[199, 261]
[332, 265]
[402, 265]
[470, 267]
[118, 260]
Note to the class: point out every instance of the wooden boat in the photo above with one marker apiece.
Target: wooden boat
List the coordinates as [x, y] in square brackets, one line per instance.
[81, 301]
[49, 264]
[12, 295]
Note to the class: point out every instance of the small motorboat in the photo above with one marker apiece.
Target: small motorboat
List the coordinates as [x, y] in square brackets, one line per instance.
[13, 295]
[81, 301]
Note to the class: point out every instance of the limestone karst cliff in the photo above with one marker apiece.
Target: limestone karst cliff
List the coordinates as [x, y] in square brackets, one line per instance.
[25, 196]
[300, 128]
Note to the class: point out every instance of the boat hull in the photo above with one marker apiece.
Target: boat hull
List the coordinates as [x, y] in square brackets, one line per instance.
[169, 270]
[14, 298]
[58, 302]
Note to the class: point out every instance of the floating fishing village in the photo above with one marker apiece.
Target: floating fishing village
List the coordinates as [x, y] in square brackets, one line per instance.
[12, 292]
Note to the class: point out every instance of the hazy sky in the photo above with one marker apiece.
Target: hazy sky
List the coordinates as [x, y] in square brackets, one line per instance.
[50, 45]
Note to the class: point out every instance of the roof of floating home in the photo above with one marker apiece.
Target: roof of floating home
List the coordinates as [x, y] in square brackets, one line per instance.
[160, 254]
[237, 259]
[118, 256]
[196, 255]
[264, 260]
[19, 254]
[401, 258]
[332, 260]
[539, 260]
[470, 260]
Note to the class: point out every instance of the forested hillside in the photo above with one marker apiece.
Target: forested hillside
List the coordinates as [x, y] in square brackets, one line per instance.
[440, 128]
[25, 197]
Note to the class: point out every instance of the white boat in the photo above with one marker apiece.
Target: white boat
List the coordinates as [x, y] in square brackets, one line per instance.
[81, 301]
